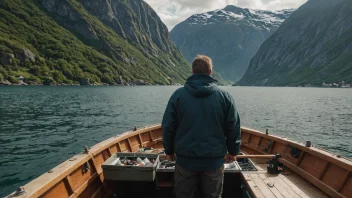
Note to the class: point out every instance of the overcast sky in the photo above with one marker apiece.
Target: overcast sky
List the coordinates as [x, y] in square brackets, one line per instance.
[173, 12]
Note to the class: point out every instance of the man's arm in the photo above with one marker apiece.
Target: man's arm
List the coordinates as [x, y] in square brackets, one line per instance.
[169, 126]
[233, 129]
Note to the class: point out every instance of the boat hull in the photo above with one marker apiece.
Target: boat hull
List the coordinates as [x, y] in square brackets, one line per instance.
[81, 175]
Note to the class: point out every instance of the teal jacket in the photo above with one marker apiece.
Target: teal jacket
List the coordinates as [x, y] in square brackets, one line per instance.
[201, 124]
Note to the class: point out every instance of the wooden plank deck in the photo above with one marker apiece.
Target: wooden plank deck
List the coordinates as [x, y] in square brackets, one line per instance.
[289, 185]
[264, 185]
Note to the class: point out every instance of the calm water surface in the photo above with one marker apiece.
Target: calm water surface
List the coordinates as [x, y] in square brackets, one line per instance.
[41, 127]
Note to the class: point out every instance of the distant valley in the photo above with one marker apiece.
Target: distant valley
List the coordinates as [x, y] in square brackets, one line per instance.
[230, 36]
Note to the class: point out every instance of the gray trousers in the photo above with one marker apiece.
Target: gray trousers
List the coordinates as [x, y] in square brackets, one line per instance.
[187, 182]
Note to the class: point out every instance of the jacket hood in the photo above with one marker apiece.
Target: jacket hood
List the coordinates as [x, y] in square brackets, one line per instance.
[200, 85]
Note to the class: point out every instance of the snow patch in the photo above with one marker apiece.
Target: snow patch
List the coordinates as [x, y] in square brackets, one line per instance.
[238, 16]
[258, 18]
[253, 12]
[278, 12]
[269, 18]
[207, 15]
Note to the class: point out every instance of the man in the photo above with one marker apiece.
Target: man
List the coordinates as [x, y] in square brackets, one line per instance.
[200, 125]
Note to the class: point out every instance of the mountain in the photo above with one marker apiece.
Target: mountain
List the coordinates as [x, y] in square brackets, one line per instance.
[231, 36]
[87, 41]
[313, 46]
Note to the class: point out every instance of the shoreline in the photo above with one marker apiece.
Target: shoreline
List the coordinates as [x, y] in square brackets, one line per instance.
[24, 84]
[77, 85]
[136, 85]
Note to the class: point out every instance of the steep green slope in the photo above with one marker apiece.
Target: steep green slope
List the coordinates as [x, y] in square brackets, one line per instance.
[313, 46]
[63, 42]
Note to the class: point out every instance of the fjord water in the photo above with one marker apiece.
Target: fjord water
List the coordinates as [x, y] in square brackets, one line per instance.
[41, 127]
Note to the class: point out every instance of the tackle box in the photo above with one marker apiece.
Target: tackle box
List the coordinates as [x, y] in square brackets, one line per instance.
[114, 172]
[234, 167]
[161, 167]
[164, 176]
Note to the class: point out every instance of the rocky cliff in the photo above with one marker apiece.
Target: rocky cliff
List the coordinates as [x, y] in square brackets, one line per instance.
[70, 41]
[231, 36]
[313, 46]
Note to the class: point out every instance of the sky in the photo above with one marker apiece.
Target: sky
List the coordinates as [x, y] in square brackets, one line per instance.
[173, 12]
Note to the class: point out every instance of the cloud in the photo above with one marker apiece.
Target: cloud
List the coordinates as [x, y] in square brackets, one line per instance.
[173, 12]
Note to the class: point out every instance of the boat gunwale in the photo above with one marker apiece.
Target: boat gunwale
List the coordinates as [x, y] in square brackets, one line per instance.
[329, 158]
[47, 181]
[56, 175]
[342, 162]
[95, 150]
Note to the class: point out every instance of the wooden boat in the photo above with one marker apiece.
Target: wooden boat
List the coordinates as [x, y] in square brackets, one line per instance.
[309, 171]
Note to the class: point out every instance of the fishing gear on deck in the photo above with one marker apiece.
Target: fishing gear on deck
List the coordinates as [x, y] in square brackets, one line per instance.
[230, 165]
[274, 164]
[167, 164]
[129, 162]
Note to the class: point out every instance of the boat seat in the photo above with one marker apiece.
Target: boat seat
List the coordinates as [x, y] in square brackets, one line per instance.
[265, 185]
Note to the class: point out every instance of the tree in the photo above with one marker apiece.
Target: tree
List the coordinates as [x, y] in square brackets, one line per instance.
[3, 72]
[13, 79]
[15, 61]
[48, 81]
[58, 77]
[33, 79]
[27, 63]
[39, 70]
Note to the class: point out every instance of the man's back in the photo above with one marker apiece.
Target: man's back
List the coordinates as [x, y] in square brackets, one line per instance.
[200, 125]
[202, 113]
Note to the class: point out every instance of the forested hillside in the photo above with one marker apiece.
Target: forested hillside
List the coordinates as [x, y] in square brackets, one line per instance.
[87, 41]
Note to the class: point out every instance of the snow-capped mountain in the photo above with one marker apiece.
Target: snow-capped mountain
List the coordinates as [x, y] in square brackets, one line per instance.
[231, 36]
[231, 14]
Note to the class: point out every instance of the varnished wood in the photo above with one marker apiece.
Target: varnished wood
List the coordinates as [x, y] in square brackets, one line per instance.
[151, 136]
[272, 147]
[261, 185]
[334, 159]
[307, 158]
[322, 186]
[255, 156]
[66, 182]
[324, 170]
[109, 150]
[253, 188]
[348, 176]
[287, 190]
[334, 177]
[69, 184]
[259, 142]
[282, 186]
[42, 184]
[300, 158]
[59, 190]
[140, 140]
[346, 190]
[107, 143]
[47, 181]
[289, 177]
[277, 193]
[84, 186]
[129, 145]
